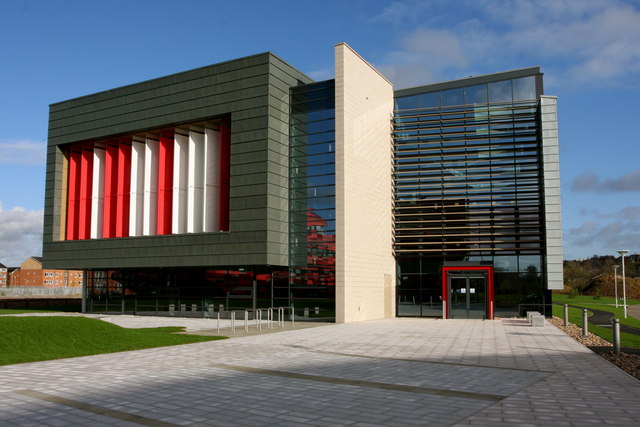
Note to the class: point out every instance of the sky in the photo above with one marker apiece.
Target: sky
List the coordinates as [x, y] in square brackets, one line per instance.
[588, 50]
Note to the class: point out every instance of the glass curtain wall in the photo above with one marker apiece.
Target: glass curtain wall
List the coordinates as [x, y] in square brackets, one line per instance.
[468, 189]
[197, 292]
[312, 204]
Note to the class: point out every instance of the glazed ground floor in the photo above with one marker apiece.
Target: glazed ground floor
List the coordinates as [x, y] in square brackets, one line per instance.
[453, 289]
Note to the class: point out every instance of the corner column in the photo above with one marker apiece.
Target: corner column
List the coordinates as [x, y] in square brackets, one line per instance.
[365, 266]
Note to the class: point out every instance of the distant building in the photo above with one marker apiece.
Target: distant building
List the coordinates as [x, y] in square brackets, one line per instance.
[4, 275]
[31, 273]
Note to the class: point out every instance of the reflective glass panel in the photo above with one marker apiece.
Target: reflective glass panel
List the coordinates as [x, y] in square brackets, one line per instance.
[524, 89]
[312, 198]
[429, 100]
[406, 102]
[453, 97]
[476, 94]
[500, 91]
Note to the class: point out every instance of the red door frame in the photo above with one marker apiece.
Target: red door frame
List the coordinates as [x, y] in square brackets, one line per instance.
[445, 286]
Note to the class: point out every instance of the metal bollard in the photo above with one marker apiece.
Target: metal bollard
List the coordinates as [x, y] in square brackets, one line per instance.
[566, 315]
[444, 309]
[122, 304]
[281, 317]
[585, 323]
[246, 320]
[615, 330]
[233, 322]
[270, 317]
[258, 314]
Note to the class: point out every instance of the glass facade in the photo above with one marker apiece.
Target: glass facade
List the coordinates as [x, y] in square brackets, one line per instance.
[468, 194]
[468, 189]
[312, 220]
[188, 291]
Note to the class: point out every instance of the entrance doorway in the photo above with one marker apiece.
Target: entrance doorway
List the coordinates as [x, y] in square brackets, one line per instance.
[467, 292]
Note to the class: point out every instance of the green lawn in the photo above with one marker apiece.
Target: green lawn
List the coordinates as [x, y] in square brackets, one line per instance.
[23, 310]
[604, 304]
[30, 339]
[566, 299]
[575, 317]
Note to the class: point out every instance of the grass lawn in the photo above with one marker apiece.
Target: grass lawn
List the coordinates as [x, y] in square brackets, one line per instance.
[587, 299]
[575, 317]
[31, 339]
[23, 310]
[604, 304]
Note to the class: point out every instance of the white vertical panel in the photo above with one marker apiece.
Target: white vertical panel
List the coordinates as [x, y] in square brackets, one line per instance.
[195, 182]
[136, 204]
[97, 198]
[180, 171]
[211, 180]
[552, 200]
[150, 199]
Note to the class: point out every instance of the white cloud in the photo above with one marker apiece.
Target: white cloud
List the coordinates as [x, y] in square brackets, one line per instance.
[321, 74]
[611, 231]
[400, 12]
[583, 42]
[20, 234]
[599, 38]
[430, 54]
[22, 152]
[630, 213]
[591, 182]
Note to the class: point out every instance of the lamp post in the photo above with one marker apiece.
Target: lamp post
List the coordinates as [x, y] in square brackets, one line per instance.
[622, 253]
[615, 281]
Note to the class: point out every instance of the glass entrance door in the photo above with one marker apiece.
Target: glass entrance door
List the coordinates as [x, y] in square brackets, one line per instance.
[467, 296]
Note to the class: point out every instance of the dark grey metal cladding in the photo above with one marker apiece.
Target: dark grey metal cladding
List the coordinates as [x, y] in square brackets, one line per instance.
[254, 92]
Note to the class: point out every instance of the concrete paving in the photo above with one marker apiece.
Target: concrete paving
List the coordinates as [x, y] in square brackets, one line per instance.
[394, 372]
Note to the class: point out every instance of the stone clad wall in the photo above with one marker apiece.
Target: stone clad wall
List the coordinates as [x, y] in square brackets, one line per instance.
[365, 266]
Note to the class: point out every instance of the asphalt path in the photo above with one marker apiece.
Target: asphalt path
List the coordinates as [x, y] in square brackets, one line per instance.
[603, 318]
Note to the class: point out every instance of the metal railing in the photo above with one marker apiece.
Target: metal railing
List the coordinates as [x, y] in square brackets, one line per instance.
[269, 317]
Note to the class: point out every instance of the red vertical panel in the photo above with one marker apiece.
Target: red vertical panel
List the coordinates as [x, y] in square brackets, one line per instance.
[124, 188]
[110, 191]
[165, 183]
[73, 193]
[225, 175]
[86, 183]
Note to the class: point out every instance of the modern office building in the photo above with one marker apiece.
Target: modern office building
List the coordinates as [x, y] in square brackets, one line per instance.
[248, 185]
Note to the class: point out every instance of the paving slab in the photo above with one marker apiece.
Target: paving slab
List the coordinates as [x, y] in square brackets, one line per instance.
[386, 372]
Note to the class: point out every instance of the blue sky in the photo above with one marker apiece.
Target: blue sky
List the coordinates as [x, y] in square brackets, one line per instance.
[589, 51]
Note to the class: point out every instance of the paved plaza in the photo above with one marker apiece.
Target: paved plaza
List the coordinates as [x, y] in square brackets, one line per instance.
[395, 372]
